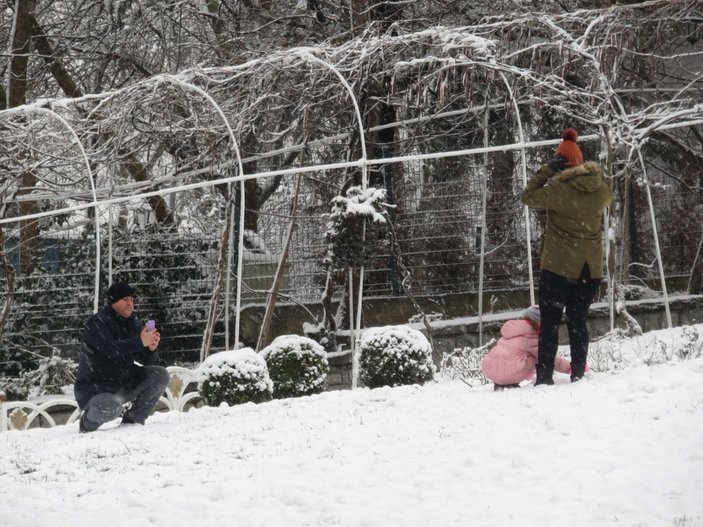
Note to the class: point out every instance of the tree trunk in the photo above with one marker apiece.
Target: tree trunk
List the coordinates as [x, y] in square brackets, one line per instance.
[29, 229]
[9, 275]
[222, 269]
[358, 16]
[58, 71]
[695, 283]
[265, 333]
[17, 96]
[161, 209]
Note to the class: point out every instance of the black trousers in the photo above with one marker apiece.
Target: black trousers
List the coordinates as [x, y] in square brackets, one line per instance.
[555, 294]
[144, 392]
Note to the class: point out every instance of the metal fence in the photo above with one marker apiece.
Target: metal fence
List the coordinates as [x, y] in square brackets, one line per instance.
[224, 153]
[438, 223]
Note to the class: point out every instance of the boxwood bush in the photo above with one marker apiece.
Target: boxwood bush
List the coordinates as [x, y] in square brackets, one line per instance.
[297, 366]
[234, 377]
[393, 356]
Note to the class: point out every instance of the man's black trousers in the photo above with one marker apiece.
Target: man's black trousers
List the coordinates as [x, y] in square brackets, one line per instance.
[143, 392]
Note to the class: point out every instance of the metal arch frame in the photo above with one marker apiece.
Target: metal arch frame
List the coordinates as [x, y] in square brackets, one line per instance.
[364, 164]
[528, 234]
[484, 197]
[655, 235]
[91, 177]
[307, 55]
[355, 327]
[523, 163]
[192, 87]
[614, 100]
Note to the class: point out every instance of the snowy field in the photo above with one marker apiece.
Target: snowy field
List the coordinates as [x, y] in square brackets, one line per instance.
[622, 448]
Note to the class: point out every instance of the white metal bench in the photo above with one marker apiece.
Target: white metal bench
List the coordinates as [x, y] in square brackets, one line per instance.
[44, 411]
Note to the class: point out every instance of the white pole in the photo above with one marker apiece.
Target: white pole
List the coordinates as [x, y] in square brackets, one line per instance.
[74, 135]
[109, 229]
[482, 259]
[230, 250]
[240, 262]
[606, 223]
[656, 240]
[352, 331]
[523, 164]
[363, 162]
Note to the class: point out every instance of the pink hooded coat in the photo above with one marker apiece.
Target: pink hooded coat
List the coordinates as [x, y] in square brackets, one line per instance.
[513, 358]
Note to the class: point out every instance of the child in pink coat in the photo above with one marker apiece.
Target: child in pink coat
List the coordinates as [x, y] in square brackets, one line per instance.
[513, 358]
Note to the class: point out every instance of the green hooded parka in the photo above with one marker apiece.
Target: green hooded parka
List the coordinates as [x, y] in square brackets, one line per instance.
[574, 201]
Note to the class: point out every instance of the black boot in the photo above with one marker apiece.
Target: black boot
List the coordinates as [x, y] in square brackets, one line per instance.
[544, 378]
[577, 371]
[81, 425]
[500, 387]
[101, 409]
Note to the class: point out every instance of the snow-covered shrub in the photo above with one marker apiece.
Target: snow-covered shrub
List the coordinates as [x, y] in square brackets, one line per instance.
[13, 388]
[691, 344]
[683, 345]
[430, 317]
[35, 328]
[297, 366]
[615, 352]
[346, 244]
[465, 364]
[234, 377]
[394, 355]
[638, 292]
[54, 375]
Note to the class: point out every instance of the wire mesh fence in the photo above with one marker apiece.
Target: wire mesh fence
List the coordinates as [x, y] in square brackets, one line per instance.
[438, 221]
[142, 183]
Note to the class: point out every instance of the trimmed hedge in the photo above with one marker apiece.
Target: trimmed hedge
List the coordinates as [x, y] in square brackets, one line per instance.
[297, 366]
[393, 356]
[234, 377]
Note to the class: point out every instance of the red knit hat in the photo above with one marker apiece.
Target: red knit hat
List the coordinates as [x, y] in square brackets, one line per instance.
[569, 149]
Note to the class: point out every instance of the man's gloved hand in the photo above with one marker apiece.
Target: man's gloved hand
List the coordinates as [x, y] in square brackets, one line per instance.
[557, 164]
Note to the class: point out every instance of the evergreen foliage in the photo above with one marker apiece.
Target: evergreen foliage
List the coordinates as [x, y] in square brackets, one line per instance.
[170, 273]
[347, 245]
[50, 308]
[297, 365]
[234, 377]
[394, 356]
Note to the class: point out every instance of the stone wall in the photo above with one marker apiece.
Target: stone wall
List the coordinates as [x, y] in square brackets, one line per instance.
[447, 335]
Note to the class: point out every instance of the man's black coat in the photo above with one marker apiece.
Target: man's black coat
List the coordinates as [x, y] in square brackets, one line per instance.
[110, 346]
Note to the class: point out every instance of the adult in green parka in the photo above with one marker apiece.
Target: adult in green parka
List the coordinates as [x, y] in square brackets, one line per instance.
[574, 194]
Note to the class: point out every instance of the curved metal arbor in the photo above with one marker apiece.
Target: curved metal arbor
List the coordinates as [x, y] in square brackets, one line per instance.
[454, 102]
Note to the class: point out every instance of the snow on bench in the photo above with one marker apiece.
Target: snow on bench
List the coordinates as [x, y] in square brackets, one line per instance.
[54, 410]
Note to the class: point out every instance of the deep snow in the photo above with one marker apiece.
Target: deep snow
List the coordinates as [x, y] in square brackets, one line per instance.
[621, 448]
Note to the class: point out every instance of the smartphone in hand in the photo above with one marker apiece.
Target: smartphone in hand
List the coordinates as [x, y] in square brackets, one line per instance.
[150, 325]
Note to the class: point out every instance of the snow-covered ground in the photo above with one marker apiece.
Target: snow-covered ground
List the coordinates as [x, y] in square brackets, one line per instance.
[622, 448]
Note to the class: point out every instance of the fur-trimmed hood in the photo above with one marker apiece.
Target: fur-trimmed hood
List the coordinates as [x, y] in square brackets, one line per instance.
[587, 177]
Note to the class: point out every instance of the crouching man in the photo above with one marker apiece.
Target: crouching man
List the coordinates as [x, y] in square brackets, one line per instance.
[117, 364]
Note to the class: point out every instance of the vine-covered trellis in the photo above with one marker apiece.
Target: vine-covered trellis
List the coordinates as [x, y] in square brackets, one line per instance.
[199, 167]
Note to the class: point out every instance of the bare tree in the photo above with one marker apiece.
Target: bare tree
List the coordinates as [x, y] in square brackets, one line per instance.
[162, 97]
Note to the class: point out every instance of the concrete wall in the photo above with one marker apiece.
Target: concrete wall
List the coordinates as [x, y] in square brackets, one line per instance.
[447, 335]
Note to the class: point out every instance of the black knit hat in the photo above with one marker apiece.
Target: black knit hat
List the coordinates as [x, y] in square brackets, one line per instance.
[118, 291]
